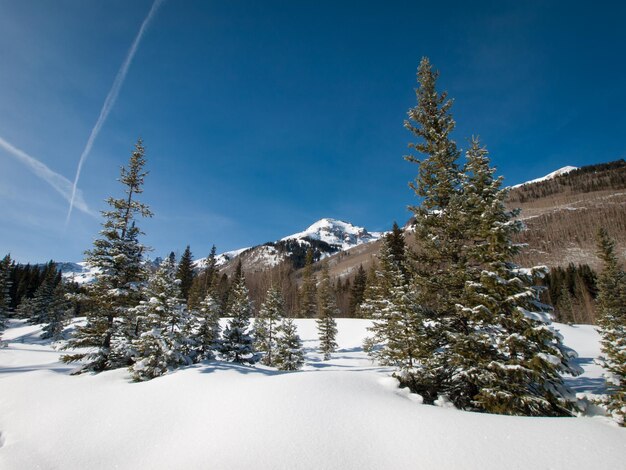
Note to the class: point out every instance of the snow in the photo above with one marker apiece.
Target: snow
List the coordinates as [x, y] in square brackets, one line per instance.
[80, 272]
[549, 176]
[338, 233]
[346, 413]
[220, 259]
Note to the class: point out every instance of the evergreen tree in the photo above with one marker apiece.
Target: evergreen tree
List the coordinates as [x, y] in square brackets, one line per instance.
[397, 326]
[289, 351]
[397, 248]
[5, 290]
[327, 310]
[237, 344]
[266, 324]
[206, 282]
[506, 357]
[44, 296]
[58, 314]
[118, 255]
[185, 274]
[612, 323]
[308, 290]
[357, 291]
[160, 345]
[205, 331]
[26, 309]
[439, 264]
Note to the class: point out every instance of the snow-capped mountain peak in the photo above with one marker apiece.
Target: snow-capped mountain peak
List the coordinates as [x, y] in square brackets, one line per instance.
[335, 232]
[549, 176]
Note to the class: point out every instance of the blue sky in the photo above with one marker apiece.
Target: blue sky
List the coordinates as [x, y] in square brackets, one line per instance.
[261, 117]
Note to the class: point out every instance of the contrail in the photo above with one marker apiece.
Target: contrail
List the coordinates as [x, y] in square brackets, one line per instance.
[109, 102]
[59, 182]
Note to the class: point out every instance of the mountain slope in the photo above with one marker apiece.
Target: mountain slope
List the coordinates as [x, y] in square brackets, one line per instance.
[326, 236]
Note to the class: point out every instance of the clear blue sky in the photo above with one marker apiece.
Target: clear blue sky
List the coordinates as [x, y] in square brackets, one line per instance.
[261, 117]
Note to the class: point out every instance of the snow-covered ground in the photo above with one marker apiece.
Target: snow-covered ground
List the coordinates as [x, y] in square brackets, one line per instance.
[342, 414]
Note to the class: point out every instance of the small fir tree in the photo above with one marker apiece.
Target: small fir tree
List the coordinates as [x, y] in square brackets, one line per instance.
[397, 319]
[357, 292]
[327, 310]
[237, 343]
[205, 283]
[59, 313]
[118, 256]
[612, 326]
[5, 290]
[160, 345]
[289, 351]
[185, 273]
[266, 324]
[44, 296]
[308, 290]
[205, 331]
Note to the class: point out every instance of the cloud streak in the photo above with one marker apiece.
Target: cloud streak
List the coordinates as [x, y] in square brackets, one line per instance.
[59, 182]
[109, 102]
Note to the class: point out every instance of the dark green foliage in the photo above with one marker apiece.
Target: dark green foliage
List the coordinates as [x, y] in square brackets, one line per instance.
[5, 290]
[160, 344]
[266, 325]
[327, 310]
[185, 273]
[205, 283]
[298, 251]
[572, 290]
[307, 298]
[357, 292]
[111, 324]
[289, 352]
[237, 343]
[58, 313]
[612, 322]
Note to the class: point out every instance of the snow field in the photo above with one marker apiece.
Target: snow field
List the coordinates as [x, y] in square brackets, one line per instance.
[346, 413]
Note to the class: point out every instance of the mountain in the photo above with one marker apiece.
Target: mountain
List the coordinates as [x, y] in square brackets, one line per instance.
[327, 236]
[563, 213]
[561, 171]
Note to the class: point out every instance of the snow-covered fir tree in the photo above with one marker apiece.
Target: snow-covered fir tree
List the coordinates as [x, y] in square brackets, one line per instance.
[118, 256]
[205, 329]
[289, 351]
[44, 296]
[237, 343]
[5, 288]
[612, 326]
[439, 264]
[58, 314]
[507, 357]
[266, 324]
[307, 298]
[26, 308]
[326, 312]
[397, 328]
[161, 345]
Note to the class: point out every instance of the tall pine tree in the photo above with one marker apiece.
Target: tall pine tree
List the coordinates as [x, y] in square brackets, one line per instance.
[118, 256]
[327, 310]
[612, 323]
[270, 314]
[185, 273]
